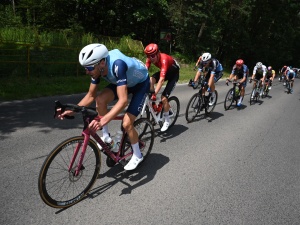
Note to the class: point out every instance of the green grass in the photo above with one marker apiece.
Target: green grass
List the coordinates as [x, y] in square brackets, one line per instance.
[20, 88]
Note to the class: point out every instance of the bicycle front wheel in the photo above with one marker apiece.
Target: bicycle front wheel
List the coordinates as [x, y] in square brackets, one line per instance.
[229, 99]
[146, 134]
[252, 96]
[59, 187]
[288, 87]
[193, 107]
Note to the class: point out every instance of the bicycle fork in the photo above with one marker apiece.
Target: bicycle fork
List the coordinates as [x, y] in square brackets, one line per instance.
[79, 164]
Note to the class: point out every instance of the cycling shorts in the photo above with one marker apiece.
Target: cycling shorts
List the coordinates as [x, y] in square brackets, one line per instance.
[217, 76]
[172, 77]
[139, 93]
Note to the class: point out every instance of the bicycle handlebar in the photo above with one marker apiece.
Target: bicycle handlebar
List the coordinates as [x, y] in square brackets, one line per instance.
[75, 108]
[234, 82]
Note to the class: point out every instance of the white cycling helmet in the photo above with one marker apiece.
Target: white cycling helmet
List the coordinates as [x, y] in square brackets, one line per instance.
[206, 56]
[92, 53]
[259, 65]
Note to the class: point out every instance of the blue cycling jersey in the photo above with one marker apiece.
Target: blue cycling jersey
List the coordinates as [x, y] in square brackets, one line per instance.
[124, 70]
[291, 74]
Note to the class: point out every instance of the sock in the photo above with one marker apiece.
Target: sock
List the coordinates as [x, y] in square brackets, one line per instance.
[167, 118]
[241, 99]
[105, 131]
[136, 150]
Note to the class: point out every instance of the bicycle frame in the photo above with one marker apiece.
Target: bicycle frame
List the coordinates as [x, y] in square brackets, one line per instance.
[156, 116]
[117, 157]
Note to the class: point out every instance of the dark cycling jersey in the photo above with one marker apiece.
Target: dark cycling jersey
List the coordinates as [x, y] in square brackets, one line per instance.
[240, 72]
[214, 67]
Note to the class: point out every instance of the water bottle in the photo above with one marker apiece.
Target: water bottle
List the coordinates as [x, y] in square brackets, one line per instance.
[159, 107]
[117, 139]
[237, 90]
[154, 106]
[109, 141]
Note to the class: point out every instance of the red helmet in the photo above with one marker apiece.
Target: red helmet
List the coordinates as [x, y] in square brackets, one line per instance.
[239, 62]
[151, 49]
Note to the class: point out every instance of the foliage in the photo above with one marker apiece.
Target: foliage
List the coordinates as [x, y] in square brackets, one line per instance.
[255, 30]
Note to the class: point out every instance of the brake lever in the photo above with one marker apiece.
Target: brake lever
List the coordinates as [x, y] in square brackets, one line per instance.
[58, 105]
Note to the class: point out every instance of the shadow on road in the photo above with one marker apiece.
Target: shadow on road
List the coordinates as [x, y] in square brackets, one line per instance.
[141, 176]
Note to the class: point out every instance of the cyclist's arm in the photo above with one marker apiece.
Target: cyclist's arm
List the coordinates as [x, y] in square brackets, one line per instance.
[89, 98]
[86, 101]
[159, 84]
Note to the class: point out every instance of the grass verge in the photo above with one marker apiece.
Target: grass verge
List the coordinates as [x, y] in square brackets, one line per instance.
[20, 88]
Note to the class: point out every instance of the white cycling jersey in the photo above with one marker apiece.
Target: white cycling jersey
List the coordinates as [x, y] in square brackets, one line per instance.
[262, 70]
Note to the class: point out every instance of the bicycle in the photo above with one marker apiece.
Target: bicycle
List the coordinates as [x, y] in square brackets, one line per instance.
[200, 79]
[266, 88]
[233, 95]
[153, 110]
[255, 94]
[200, 101]
[72, 167]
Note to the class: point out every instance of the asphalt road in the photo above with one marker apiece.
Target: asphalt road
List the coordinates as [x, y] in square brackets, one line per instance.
[239, 166]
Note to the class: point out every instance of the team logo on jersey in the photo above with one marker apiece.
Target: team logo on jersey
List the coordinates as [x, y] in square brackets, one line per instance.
[116, 70]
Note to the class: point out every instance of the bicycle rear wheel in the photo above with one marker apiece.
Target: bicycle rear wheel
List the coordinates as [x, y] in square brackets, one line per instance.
[193, 107]
[173, 112]
[61, 188]
[146, 134]
[212, 102]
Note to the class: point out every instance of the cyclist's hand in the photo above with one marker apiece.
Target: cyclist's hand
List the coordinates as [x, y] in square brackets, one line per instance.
[153, 97]
[61, 115]
[95, 126]
[195, 67]
[250, 81]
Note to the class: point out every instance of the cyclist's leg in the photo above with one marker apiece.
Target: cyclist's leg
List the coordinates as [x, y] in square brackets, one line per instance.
[172, 78]
[138, 97]
[107, 95]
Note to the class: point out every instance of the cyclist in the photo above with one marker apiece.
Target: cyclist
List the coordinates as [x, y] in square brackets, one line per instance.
[259, 73]
[270, 75]
[192, 82]
[169, 71]
[125, 75]
[214, 71]
[282, 73]
[240, 72]
[290, 76]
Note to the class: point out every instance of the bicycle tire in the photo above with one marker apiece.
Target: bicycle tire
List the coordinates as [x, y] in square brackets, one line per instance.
[229, 99]
[58, 187]
[288, 87]
[173, 112]
[252, 96]
[193, 107]
[210, 107]
[146, 135]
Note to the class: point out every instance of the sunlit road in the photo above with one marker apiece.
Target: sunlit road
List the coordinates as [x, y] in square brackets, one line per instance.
[240, 166]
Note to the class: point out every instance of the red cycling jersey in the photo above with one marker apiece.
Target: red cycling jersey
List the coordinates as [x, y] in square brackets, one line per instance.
[164, 63]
